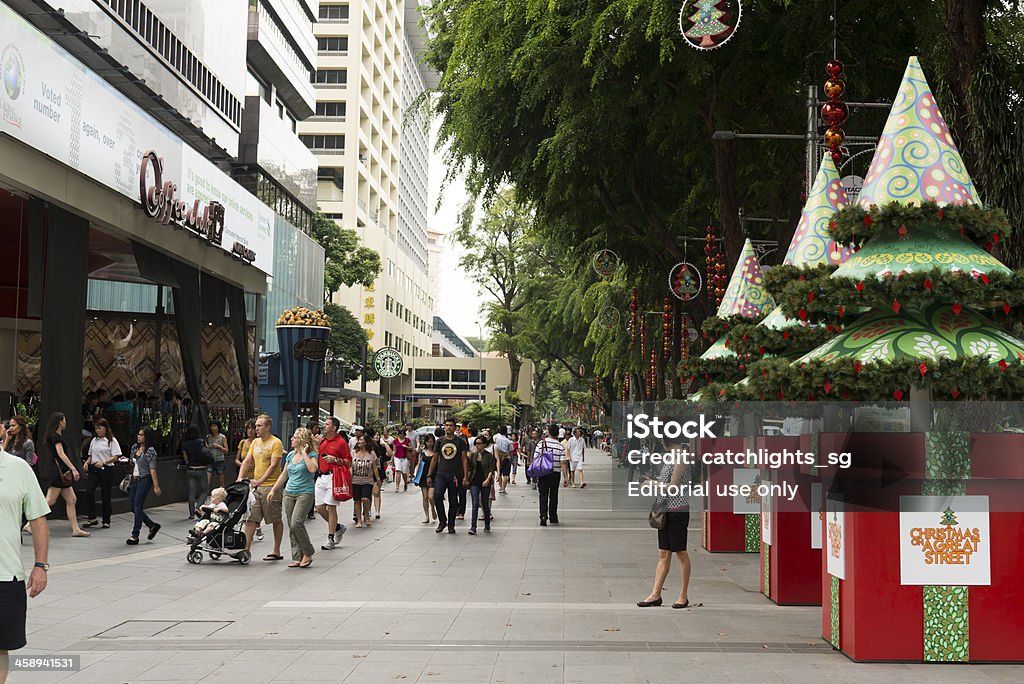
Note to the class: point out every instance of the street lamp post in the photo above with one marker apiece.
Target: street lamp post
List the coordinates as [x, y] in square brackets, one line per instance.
[500, 389]
[480, 356]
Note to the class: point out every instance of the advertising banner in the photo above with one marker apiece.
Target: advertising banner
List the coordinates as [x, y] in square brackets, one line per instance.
[835, 521]
[945, 540]
[53, 103]
[749, 503]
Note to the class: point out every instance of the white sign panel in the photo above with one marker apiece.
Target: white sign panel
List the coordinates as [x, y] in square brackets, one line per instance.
[945, 540]
[51, 102]
[835, 554]
[766, 513]
[749, 503]
[816, 515]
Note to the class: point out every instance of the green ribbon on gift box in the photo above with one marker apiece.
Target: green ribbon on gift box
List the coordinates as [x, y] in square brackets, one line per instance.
[752, 532]
[765, 569]
[947, 467]
[834, 610]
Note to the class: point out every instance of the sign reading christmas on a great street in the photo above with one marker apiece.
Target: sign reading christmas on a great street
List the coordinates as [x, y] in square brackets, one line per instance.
[944, 540]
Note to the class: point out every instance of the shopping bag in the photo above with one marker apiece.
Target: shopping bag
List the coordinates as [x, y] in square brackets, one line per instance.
[420, 472]
[542, 465]
[341, 483]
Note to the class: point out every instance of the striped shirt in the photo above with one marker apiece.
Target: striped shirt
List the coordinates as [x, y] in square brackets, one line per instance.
[554, 446]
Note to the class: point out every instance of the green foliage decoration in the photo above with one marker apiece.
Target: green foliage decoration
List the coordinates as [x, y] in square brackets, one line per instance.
[969, 378]
[854, 225]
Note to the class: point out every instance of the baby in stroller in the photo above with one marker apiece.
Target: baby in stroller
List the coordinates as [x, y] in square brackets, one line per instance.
[219, 533]
[214, 514]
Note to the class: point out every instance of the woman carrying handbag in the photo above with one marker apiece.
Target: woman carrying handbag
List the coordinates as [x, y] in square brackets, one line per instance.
[670, 515]
[144, 478]
[64, 474]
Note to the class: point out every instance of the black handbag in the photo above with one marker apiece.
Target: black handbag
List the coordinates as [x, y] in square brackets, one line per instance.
[658, 516]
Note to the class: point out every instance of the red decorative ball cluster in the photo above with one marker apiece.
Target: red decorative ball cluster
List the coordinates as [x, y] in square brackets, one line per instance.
[715, 260]
[835, 112]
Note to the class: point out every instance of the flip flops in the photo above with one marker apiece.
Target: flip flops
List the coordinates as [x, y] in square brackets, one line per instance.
[273, 557]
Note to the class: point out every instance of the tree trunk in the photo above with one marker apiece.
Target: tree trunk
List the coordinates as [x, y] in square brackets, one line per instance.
[965, 33]
[515, 364]
[728, 206]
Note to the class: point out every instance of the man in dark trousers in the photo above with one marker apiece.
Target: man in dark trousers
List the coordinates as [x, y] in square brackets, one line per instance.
[451, 465]
[548, 485]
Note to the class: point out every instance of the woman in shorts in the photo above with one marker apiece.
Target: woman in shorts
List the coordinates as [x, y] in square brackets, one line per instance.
[425, 456]
[672, 539]
[365, 474]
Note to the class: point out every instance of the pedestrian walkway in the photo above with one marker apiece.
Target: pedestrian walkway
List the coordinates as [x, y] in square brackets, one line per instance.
[397, 602]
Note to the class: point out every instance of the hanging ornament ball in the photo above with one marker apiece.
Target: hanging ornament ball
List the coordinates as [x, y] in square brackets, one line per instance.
[835, 87]
[605, 262]
[609, 317]
[835, 113]
[837, 159]
[834, 68]
[719, 267]
[834, 136]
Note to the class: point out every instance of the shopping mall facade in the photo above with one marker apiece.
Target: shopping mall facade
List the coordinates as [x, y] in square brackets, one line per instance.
[153, 195]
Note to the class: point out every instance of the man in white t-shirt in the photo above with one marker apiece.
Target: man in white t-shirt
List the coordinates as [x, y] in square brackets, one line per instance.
[19, 496]
[577, 445]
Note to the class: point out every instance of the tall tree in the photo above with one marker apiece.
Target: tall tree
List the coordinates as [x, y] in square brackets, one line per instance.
[499, 255]
[346, 340]
[347, 262]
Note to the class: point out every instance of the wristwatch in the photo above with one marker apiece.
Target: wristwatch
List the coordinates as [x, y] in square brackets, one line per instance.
[44, 566]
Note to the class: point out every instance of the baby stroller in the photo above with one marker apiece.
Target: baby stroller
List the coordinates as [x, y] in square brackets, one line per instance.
[228, 538]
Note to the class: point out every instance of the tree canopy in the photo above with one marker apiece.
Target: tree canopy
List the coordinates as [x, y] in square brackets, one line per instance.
[347, 262]
[597, 119]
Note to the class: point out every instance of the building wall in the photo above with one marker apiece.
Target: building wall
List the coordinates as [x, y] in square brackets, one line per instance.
[298, 277]
[192, 61]
[358, 138]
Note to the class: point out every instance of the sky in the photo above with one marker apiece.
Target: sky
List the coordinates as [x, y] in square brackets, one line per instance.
[459, 298]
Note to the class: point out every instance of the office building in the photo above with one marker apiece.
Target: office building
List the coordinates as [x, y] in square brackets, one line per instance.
[372, 152]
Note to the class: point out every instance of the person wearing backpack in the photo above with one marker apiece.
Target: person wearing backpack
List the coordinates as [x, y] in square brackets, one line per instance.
[197, 459]
[547, 457]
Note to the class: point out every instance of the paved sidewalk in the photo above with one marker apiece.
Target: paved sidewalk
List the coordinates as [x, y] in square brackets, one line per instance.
[397, 602]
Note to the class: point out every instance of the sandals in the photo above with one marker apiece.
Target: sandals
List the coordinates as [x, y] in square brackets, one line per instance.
[91, 523]
[273, 557]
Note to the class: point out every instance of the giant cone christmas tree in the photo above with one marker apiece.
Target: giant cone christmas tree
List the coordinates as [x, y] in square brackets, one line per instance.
[746, 299]
[924, 272]
[812, 246]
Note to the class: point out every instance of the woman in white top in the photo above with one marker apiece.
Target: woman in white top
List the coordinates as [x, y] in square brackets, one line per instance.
[102, 455]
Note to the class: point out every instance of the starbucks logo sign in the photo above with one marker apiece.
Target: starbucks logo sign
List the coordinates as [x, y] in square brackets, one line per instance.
[388, 362]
